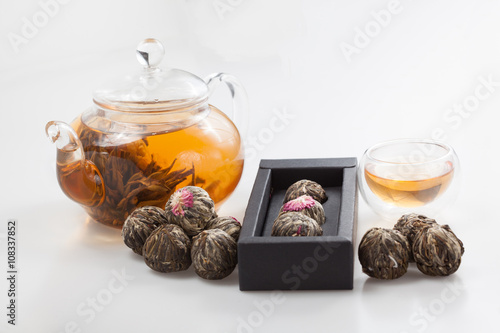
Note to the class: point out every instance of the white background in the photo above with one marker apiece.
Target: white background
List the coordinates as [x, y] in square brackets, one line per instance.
[402, 82]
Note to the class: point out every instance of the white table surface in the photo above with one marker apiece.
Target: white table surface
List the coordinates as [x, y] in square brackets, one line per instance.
[429, 57]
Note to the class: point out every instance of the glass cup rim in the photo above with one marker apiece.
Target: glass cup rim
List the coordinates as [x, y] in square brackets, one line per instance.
[448, 148]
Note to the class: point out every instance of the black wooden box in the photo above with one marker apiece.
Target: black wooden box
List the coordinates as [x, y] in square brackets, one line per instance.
[304, 263]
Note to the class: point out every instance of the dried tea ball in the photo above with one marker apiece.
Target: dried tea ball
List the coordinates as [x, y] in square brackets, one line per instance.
[214, 254]
[305, 187]
[384, 253]
[140, 224]
[306, 205]
[191, 208]
[447, 228]
[226, 223]
[437, 251]
[168, 249]
[295, 225]
[410, 224]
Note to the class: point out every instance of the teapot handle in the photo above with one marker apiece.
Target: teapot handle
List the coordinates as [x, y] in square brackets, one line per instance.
[239, 98]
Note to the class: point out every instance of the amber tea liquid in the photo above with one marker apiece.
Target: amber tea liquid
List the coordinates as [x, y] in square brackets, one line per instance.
[413, 192]
[145, 170]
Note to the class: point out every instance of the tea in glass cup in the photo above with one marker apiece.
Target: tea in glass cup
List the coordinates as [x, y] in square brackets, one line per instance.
[410, 175]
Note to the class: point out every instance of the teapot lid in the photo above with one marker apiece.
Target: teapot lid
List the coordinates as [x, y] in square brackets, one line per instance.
[154, 88]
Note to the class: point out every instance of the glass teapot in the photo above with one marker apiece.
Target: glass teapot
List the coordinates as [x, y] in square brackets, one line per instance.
[146, 137]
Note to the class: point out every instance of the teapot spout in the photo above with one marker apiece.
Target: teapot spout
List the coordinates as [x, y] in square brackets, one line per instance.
[78, 177]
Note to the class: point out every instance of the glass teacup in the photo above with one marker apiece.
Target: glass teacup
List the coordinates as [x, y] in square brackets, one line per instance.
[408, 176]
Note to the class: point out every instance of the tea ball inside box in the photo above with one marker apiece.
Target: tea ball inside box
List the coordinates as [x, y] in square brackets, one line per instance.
[295, 225]
[306, 187]
[306, 205]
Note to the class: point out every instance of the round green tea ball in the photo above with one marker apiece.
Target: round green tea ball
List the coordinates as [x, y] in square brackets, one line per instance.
[306, 205]
[384, 253]
[410, 224]
[305, 187]
[168, 249]
[190, 208]
[140, 224]
[214, 254]
[437, 251]
[226, 223]
[295, 225]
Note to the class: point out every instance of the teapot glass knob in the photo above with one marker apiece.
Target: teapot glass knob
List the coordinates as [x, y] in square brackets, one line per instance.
[150, 53]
